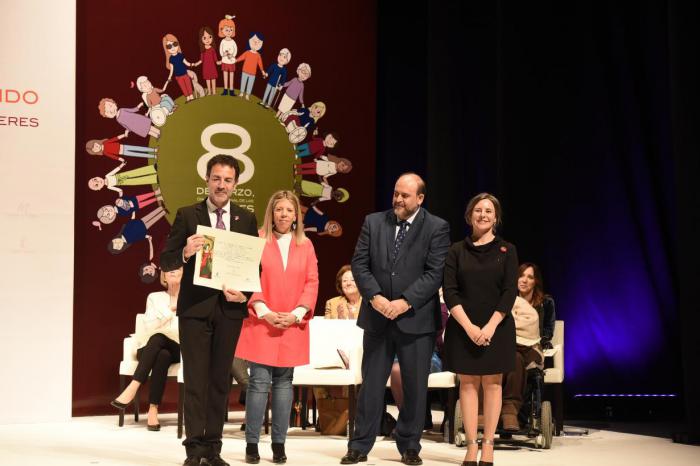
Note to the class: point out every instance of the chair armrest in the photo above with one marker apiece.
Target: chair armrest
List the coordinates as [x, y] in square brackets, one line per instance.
[129, 349]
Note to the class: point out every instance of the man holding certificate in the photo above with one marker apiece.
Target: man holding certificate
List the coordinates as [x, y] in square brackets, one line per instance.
[210, 319]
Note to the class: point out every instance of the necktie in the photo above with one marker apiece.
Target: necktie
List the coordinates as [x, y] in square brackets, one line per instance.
[220, 219]
[403, 227]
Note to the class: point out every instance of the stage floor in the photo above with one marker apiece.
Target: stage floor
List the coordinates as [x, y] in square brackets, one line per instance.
[99, 441]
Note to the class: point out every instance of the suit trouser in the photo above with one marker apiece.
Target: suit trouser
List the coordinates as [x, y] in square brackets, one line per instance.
[207, 345]
[413, 352]
[156, 357]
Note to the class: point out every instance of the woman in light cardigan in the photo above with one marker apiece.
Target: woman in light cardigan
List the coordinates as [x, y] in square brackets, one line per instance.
[158, 347]
[275, 338]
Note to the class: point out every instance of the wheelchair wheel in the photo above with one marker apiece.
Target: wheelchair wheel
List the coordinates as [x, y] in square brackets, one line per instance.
[158, 116]
[460, 436]
[297, 135]
[546, 426]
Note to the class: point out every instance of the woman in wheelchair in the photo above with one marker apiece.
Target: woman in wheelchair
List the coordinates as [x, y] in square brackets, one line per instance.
[158, 347]
[534, 316]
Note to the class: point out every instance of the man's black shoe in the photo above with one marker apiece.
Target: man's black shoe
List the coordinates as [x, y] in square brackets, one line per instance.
[411, 457]
[191, 461]
[215, 461]
[353, 457]
[251, 453]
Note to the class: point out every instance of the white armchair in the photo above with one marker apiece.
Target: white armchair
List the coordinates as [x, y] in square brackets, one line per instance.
[326, 367]
[554, 376]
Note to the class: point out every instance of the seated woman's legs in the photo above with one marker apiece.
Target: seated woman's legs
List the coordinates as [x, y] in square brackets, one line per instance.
[156, 356]
[396, 387]
[513, 390]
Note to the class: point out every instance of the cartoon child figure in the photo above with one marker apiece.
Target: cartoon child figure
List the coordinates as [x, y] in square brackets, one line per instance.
[228, 51]
[139, 176]
[251, 62]
[277, 76]
[127, 206]
[115, 150]
[317, 221]
[148, 272]
[153, 96]
[322, 191]
[176, 63]
[317, 147]
[294, 90]
[208, 58]
[325, 167]
[128, 118]
[306, 118]
[135, 231]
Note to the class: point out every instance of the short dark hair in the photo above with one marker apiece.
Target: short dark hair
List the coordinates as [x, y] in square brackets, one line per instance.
[339, 278]
[222, 159]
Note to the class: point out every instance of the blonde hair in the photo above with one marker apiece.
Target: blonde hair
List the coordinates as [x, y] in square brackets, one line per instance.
[268, 222]
[320, 105]
[169, 38]
[103, 103]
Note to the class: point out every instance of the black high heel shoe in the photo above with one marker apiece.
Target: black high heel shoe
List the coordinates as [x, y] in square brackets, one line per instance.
[471, 463]
[118, 405]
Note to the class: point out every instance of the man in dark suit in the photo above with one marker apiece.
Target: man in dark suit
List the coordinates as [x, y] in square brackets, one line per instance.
[397, 266]
[209, 320]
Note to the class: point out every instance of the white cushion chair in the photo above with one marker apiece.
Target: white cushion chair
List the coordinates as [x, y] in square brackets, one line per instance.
[326, 367]
[554, 376]
[127, 366]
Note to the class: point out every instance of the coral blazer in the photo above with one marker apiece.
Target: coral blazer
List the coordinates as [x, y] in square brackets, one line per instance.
[283, 290]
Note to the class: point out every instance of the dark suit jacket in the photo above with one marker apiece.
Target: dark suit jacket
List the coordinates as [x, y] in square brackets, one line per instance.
[195, 300]
[416, 275]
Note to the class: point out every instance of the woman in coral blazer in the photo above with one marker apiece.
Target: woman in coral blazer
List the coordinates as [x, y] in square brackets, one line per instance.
[275, 338]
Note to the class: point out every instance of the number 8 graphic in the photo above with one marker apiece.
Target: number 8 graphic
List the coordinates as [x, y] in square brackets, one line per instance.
[248, 168]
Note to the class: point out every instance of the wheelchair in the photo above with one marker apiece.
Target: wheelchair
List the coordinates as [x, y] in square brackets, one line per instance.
[535, 415]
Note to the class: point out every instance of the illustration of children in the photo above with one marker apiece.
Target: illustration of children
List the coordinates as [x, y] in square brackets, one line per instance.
[127, 206]
[315, 220]
[317, 147]
[228, 51]
[208, 58]
[139, 176]
[135, 231]
[251, 62]
[277, 75]
[113, 149]
[325, 167]
[153, 96]
[295, 90]
[148, 272]
[304, 118]
[322, 191]
[176, 63]
[128, 118]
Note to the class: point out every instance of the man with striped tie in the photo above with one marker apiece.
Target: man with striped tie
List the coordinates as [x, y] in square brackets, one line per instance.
[209, 320]
[397, 265]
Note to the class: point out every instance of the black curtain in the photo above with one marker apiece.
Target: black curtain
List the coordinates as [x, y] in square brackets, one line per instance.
[569, 113]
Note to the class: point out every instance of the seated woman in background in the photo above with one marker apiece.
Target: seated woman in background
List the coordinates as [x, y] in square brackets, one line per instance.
[534, 316]
[347, 305]
[158, 348]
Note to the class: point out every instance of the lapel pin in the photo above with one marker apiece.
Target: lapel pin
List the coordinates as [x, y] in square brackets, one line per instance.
[504, 249]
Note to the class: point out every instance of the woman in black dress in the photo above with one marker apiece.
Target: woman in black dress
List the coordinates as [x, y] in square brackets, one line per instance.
[480, 288]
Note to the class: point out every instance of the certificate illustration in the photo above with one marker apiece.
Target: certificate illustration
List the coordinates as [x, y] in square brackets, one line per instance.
[228, 258]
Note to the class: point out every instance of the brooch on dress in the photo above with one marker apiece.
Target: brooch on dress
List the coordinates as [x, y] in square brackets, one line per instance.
[504, 249]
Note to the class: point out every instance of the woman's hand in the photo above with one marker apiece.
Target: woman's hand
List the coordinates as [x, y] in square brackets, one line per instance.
[341, 311]
[474, 334]
[272, 318]
[487, 332]
[286, 319]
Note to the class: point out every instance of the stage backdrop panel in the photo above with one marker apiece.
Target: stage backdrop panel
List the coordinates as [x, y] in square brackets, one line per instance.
[37, 82]
[129, 185]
